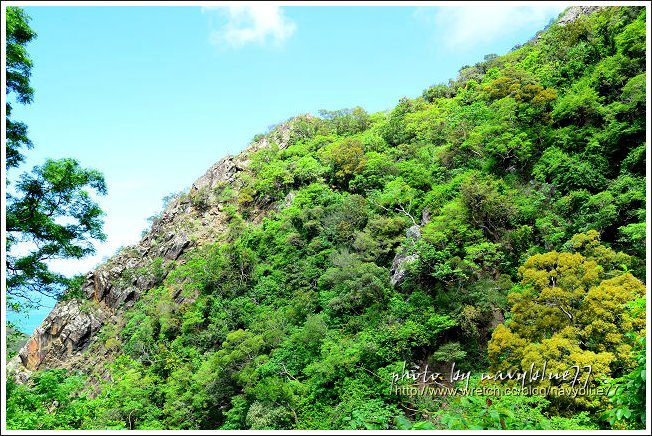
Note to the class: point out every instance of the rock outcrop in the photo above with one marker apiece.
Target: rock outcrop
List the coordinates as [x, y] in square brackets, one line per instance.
[570, 15]
[574, 12]
[66, 330]
[189, 220]
[402, 259]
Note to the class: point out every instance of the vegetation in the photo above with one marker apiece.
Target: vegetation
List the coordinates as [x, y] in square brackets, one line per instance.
[15, 340]
[50, 213]
[525, 178]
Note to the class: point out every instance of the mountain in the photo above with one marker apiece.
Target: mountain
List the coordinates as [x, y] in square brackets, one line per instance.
[188, 222]
[321, 277]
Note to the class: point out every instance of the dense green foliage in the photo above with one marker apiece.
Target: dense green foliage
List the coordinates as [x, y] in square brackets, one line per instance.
[15, 341]
[526, 177]
[50, 215]
[628, 397]
[18, 71]
[51, 192]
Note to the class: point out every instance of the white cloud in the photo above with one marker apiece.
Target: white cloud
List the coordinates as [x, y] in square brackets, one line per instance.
[464, 26]
[252, 24]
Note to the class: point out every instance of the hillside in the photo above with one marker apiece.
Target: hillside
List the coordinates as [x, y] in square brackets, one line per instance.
[493, 223]
[15, 340]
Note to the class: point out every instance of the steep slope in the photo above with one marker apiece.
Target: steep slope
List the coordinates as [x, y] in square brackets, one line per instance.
[296, 284]
[186, 222]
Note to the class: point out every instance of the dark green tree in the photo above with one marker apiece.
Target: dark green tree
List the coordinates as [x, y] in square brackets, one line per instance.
[50, 213]
[49, 196]
[19, 67]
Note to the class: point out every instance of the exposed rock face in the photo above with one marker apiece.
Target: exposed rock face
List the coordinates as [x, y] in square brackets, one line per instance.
[188, 221]
[574, 12]
[67, 329]
[413, 233]
[497, 318]
[222, 171]
[177, 244]
[425, 216]
[402, 259]
[399, 267]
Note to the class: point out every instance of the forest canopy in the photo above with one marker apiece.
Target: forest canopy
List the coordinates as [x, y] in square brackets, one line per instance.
[494, 222]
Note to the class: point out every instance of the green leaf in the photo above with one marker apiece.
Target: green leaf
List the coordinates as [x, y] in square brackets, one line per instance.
[423, 425]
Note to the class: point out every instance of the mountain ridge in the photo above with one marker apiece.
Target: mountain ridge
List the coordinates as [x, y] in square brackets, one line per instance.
[66, 331]
[490, 224]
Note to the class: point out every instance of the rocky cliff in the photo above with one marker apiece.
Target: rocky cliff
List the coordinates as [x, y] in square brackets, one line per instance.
[188, 221]
[574, 12]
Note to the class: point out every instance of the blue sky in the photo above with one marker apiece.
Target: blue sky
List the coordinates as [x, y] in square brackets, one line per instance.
[153, 96]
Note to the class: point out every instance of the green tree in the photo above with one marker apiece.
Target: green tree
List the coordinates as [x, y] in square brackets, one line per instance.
[49, 195]
[346, 158]
[571, 310]
[346, 121]
[52, 400]
[51, 214]
[629, 397]
[19, 67]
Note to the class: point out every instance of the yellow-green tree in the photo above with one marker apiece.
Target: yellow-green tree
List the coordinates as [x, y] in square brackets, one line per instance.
[346, 159]
[570, 310]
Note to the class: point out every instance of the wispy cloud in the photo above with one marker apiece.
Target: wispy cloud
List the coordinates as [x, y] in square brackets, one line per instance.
[464, 26]
[251, 24]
